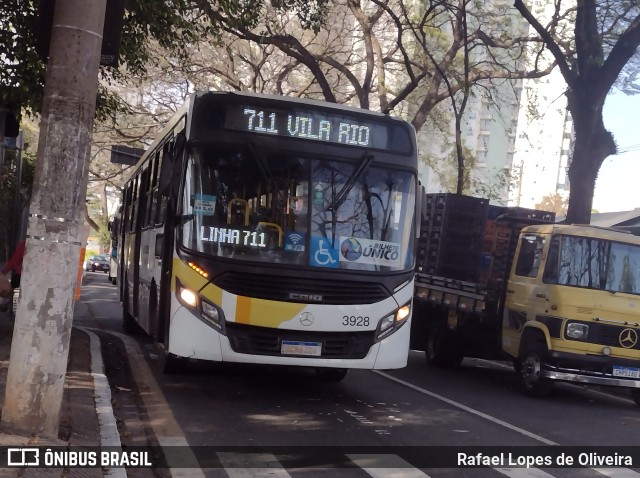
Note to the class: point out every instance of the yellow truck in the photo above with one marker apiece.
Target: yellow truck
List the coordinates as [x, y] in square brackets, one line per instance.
[562, 302]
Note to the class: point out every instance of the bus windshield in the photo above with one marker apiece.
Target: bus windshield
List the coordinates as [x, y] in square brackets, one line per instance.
[280, 207]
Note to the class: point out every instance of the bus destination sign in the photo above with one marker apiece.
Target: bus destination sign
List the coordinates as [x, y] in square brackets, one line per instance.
[328, 127]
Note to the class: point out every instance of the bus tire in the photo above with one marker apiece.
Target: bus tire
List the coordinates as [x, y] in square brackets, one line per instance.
[442, 349]
[129, 325]
[531, 380]
[331, 374]
[171, 363]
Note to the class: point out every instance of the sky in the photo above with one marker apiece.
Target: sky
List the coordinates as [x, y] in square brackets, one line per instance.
[618, 183]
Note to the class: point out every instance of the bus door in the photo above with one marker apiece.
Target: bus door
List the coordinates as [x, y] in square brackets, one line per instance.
[141, 200]
[126, 247]
[150, 260]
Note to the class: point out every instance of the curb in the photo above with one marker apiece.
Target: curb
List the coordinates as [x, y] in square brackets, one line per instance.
[109, 435]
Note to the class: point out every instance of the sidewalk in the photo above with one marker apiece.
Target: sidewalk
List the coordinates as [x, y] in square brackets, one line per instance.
[79, 424]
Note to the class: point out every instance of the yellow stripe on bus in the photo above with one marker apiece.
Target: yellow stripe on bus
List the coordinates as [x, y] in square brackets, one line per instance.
[265, 313]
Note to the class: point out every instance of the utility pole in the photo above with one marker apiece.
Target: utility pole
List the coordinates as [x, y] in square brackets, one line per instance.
[40, 346]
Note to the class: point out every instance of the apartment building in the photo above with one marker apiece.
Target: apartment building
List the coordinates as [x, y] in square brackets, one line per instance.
[517, 126]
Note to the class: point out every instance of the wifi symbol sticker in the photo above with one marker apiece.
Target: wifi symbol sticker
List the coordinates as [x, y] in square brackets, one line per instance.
[294, 242]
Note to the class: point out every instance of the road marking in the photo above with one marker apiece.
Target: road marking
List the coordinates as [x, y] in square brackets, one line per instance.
[524, 473]
[109, 435]
[473, 411]
[257, 465]
[611, 472]
[386, 466]
[617, 472]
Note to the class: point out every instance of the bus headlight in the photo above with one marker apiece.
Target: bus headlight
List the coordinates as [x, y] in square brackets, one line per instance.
[200, 307]
[393, 322]
[187, 297]
[577, 331]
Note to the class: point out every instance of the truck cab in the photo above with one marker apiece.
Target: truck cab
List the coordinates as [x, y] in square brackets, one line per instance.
[562, 302]
[572, 308]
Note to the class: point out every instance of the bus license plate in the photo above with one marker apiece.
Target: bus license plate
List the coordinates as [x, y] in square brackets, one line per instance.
[289, 347]
[626, 372]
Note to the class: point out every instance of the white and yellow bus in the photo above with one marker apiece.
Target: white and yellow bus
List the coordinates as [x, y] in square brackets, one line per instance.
[273, 230]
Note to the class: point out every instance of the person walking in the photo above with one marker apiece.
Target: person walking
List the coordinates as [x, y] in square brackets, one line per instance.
[14, 264]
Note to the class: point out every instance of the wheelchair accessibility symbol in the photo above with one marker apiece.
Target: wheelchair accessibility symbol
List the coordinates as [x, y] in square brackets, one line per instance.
[323, 254]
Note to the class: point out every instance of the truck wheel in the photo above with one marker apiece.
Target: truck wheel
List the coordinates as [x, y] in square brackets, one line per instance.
[442, 350]
[331, 374]
[531, 379]
[517, 366]
[635, 394]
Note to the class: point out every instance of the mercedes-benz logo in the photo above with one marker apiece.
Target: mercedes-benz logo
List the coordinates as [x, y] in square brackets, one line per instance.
[306, 319]
[628, 338]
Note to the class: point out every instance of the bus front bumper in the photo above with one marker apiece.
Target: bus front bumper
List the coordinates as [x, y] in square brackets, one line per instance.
[191, 337]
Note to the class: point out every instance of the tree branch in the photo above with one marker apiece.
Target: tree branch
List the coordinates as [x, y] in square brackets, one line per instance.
[569, 76]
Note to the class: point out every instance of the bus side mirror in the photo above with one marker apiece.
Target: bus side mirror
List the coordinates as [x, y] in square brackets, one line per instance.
[158, 248]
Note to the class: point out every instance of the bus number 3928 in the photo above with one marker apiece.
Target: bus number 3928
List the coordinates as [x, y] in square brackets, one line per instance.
[352, 320]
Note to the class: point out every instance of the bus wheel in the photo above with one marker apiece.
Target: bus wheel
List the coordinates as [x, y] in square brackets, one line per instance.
[635, 394]
[443, 349]
[331, 374]
[171, 363]
[129, 324]
[531, 379]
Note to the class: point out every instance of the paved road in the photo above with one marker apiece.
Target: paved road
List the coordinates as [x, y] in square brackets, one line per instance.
[221, 405]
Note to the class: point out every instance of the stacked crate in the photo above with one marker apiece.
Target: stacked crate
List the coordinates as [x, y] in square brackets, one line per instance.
[500, 241]
[451, 236]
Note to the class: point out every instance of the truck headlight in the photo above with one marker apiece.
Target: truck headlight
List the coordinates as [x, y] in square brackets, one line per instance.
[577, 331]
[392, 322]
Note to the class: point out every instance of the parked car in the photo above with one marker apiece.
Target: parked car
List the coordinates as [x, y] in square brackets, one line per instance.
[97, 263]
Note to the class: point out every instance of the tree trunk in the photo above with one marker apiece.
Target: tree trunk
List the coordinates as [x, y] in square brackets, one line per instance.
[593, 143]
[40, 345]
[582, 182]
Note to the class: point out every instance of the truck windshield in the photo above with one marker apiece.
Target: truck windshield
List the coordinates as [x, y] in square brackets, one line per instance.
[594, 264]
[279, 207]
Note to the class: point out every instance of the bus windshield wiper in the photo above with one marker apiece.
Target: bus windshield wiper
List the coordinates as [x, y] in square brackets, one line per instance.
[367, 159]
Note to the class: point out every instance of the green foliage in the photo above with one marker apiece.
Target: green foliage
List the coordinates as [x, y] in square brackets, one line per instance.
[104, 236]
[493, 185]
[174, 25]
[554, 203]
[102, 220]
